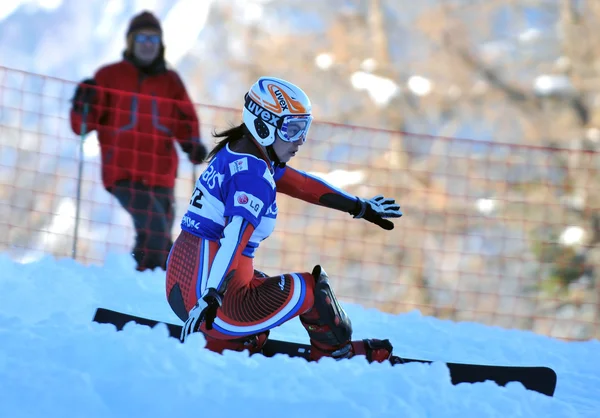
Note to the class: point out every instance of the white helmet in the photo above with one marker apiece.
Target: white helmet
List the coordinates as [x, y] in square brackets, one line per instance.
[276, 107]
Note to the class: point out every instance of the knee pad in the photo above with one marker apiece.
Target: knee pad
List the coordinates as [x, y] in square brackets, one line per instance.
[327, 323]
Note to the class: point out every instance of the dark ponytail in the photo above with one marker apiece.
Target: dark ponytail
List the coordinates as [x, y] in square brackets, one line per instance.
[229, 136]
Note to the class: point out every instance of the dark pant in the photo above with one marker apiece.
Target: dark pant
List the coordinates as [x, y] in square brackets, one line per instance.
[152, 211]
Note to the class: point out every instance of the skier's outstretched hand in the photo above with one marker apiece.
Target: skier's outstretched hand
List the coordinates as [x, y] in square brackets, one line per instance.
[205, 311]
[376, 210]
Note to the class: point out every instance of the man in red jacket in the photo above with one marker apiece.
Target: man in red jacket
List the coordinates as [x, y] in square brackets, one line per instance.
[138, 107]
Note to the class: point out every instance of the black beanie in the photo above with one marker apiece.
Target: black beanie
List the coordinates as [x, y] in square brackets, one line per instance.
[144, 20]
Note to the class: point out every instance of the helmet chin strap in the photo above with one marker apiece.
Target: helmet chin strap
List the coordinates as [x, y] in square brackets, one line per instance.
[273, 157]
[271, 154]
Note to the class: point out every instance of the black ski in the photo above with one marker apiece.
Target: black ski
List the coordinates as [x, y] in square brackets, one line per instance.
[537, 378]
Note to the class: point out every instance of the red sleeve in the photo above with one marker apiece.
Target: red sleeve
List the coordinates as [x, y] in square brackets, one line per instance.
[187, 127]
[96, 109]
[312, 189]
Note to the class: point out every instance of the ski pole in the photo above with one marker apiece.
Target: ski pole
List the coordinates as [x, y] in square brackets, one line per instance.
[79, 177]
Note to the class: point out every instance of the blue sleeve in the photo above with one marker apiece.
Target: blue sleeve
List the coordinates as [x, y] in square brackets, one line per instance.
[279, 171]
[248, 196]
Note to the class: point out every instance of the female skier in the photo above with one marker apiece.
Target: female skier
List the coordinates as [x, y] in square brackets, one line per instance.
[211, 281]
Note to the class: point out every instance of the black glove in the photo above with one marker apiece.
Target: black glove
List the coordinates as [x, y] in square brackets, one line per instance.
[197, 153]
[195, 150]
[205, 310]
[85, 93]
[376, 210]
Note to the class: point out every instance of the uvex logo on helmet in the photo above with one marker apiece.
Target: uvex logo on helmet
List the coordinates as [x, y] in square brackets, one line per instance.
[283, 97]
[279, 96]
[261, 112]
[284, 102]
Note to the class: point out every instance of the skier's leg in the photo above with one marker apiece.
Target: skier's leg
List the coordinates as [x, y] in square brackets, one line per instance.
[330, 328]
[166, 198]
[151, 222]
[128, 195]
[255, 304]
[234, 329]
[266, 302]
[154, 218]
[184, 265]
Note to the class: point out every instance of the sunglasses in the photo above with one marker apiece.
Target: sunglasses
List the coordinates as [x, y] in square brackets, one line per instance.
[143, 38]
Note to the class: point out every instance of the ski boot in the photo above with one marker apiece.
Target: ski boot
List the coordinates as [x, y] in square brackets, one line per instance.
[330, 329]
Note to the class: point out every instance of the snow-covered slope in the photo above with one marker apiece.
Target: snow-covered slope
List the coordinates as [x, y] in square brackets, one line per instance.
[55, 362]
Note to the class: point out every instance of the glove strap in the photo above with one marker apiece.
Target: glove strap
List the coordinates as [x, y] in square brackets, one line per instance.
[361, 208]
[213, 297]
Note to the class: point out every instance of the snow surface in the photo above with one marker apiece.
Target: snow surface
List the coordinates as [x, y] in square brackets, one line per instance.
[54, 362]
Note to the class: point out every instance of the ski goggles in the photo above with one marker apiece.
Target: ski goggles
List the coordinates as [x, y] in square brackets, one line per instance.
[292, 128]
[143, 38]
